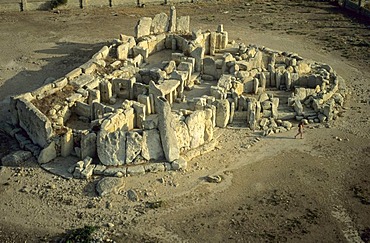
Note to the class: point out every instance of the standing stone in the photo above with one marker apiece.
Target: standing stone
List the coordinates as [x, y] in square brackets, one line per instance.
[167, 129]
[88, 145]
[196, 125]
[66, 143]
[212, 44]
[222, 113]
[263, 81]
[183, 136]
[255, 85]
[123, 51]
[105, 90]
[208, 126]
[288, 80]
[160, 23]
[151, 145]
[94, 96]
[172, 20]
[111, 140]
[274, 107]
[133, 146]
[298, 108]
[251, 113]
[277, 79]
[232, 111]
[258, 110]
[143, 27]
[183, 24]
[198, 54]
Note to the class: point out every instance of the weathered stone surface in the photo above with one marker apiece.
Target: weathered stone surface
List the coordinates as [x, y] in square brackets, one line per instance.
[160, 23]
[152, 145]
[154, 167]
[179, 164]
[110, 185]
[222, 113]
[47, 154]
[132, 195]
[274, 107]
[167, 129]
[183, 24]
[87, 172]
[172, 19]
[88, 145]
[182, 135]
[136, 170]
[16, 158]
[298, 108]
[105, 90]
[143, 27]
[133, 146]
[111, 140]
[196, 126]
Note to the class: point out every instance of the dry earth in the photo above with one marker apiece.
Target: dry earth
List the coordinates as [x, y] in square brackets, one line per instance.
[315, 189]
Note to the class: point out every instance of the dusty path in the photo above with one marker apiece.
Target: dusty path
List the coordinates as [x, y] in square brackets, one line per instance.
[280, 189]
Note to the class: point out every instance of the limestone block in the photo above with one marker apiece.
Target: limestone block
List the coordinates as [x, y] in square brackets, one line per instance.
[123, 51]
[300, 93]
[251, 113]
[133, 146]
[186, 67]
[88, 145]
[111, 140]
[151, 145]
[81, 80]
[136, 170]
[303, 68]
[232, 111]
[288, 80]
[167, 129]
[209, 66]
[66, 143]
[94, 96]
[144, 52]
[145, 100]
[198, 54]
[47, 154]
[143, 27]
[105, 88]
[182, 136]
[139, 89]
[150, 122]
[140, 114]
[274, 107]
[123, 88]
[222, 113]
[288, 125]
[16, 159]
[263, 81]
[278, 77]
[255, 85]
[196, 126]
[183, 24]
[179, 164]
[328, 110]
[170, 67]
[298, 108]
[172, 19]
[35, 123]
[160, 23]
[266, 105]
[154, 167]
[87, 172]
[110, 185]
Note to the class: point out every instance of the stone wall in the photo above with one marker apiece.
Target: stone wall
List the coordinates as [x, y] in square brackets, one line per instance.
[115, 109]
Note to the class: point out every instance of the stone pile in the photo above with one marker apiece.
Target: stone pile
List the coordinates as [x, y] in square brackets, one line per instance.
[119, 117]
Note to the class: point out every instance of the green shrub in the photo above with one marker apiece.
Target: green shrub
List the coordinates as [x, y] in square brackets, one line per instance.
[80, 235]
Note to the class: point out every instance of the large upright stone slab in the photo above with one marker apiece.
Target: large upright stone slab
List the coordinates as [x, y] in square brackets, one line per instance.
[167, 129]
[152, 145]
[160, 23]
[133, 146]
[111, 140]
[196, 125]
[172, 19]
[183, 24]
[222, 113]
[143, 27]
[88, 145]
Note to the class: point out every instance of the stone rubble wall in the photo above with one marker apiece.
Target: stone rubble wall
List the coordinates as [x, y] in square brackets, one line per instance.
[115, 109]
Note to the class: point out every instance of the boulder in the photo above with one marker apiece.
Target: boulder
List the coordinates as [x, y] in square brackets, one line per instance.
[109, 185]
[47, 154]
[16, 158]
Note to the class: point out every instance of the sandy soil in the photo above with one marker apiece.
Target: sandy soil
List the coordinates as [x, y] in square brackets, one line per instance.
[315, 189]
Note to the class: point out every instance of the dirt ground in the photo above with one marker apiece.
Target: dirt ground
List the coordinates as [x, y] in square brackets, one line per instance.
[281, 189]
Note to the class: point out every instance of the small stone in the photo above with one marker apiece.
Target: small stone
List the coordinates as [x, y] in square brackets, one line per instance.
[109, 185]
[213, 179]
[132, 195]
[110, 225]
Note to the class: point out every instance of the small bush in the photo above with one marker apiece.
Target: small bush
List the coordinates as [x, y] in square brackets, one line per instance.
[57, 3]
[80, 235]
